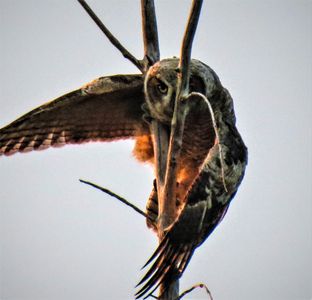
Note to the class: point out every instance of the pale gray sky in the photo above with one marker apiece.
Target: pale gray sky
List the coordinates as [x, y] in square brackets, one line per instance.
[63, 240]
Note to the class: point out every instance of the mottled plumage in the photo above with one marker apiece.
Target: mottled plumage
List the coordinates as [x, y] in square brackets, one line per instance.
[209, 170]
[118, 107]
[109, 108]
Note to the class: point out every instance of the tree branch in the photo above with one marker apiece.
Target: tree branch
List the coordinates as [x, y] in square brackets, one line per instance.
[167, 199]
[123, 200]
[180, 112]
[186, 49]
[150, 34]
[111, 37]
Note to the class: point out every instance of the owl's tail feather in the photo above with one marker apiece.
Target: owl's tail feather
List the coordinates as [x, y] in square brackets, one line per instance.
[170, 262]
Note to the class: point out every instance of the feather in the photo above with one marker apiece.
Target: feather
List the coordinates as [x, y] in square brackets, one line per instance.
[206, 203]
[108, 108]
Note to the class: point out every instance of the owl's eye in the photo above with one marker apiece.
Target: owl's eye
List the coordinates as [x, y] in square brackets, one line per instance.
[162, 88]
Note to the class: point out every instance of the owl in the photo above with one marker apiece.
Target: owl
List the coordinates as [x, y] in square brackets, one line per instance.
[210, 168]
[212, 155]
[121, 107]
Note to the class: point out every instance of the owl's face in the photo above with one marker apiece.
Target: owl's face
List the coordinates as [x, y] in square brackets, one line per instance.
[161, 85]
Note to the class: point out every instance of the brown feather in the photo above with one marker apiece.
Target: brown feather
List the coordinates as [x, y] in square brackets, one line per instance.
[108, 108]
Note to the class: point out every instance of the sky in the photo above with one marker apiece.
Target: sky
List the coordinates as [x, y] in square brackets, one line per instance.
[60, 239]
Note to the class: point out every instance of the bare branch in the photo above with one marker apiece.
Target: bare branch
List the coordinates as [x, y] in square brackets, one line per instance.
[160, 141]
[186, 49]
[167, 203]
[180, 111]
[123, 200]
[111, 37]
[167, 199]
[150, 35]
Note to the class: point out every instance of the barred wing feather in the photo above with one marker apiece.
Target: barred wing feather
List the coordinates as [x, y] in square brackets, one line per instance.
[109, 108]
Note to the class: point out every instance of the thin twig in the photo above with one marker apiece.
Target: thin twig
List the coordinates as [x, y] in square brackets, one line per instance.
[111, 37]
[199, 285]
[123, 200]
[150, 35]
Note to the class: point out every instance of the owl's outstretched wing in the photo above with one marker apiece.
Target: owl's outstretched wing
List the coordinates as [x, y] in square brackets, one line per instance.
[109, 108]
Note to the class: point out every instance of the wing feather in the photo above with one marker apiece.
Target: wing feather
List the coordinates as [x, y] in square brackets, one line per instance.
[109, 108]
[177, 247]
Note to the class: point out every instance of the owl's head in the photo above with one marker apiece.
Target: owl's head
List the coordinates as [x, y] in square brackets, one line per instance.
[160, 85]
